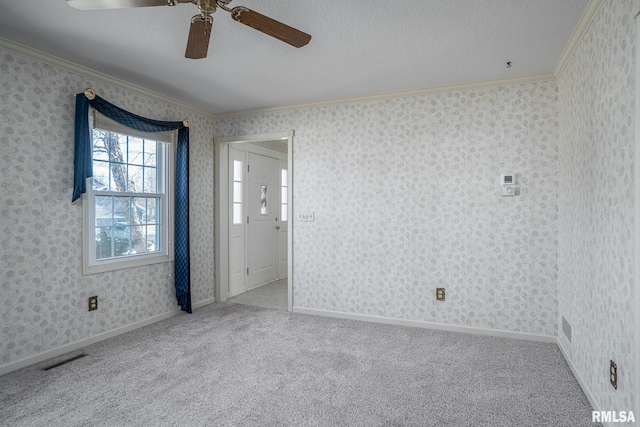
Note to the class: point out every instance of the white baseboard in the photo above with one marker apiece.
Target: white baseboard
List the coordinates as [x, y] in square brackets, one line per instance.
[59, 351]
[585, 388]
[427, 325]
[202, 303]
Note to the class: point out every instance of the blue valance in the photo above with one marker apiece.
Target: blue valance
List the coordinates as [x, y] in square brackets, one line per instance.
[83, 169]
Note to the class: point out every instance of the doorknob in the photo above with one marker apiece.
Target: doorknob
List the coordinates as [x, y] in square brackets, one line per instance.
[277, 227]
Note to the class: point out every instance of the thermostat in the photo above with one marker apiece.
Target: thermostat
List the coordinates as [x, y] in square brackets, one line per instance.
[508, 179]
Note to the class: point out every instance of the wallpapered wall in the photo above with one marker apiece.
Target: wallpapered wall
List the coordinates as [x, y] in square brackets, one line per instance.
[406, 199]
[44, 294]
[596, 225]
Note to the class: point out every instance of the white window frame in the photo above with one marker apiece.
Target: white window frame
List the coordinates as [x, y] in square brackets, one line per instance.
[166, 181]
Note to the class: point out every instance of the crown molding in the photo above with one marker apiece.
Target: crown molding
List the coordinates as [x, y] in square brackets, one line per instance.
[55, 61]
[479, 84]
[585, 22]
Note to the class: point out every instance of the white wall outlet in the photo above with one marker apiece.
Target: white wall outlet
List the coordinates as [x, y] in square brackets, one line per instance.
[306, 216]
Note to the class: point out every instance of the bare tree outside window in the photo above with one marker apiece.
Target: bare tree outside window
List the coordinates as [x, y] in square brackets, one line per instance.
[125, 224]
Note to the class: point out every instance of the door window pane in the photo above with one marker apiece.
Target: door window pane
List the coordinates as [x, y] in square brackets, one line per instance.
[263, 200]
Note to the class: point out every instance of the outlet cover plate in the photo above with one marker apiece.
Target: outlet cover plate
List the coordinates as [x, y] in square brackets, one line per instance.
[93, 303]
[306, 216]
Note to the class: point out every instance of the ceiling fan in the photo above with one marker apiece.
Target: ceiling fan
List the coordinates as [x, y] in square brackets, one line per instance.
[200, 30]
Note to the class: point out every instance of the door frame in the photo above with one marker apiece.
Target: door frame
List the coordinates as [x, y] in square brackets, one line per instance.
[221, 198]
[636, 278]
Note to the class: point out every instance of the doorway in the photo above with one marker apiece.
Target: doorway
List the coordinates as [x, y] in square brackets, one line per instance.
[253, 207]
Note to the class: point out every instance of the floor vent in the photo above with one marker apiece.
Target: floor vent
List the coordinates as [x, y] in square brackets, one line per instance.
[566, 328]
[65, 361]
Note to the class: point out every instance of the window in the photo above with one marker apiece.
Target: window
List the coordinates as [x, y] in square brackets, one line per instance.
[283, 196]
[237, 192]
[128, 215]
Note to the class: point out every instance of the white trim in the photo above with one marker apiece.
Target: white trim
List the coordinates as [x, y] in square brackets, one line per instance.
[583, 384]
[203, 303]
[166, 171]
[221, 179]
[275, 136]
[47, 58]
[290, 223]
[398, 94]
[59, 351]
[256, 149]
[585, 22]
[221, 218]
[427, 325]
[637, 217]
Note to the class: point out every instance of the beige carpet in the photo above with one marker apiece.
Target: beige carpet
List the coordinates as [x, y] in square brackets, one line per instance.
[236, 365]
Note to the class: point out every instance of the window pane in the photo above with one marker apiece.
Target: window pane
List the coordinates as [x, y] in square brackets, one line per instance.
[135, 151]
[104, 211]
[121, 237]
[138, 239]
[152, 244]
[153, 205]
[139, 211]
[118, 177]
[237, 213]
[283, 195]
[103, 242]
[283, 177]
[237, 192]
[237, 170]
[283, 213]
[119, 150]
[100, 176]
[150, 149]
[150, 180]
[134, 182]
[100, 148]
[121, 210]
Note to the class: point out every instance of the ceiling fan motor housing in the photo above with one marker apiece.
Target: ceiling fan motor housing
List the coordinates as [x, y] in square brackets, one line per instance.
[206, 7]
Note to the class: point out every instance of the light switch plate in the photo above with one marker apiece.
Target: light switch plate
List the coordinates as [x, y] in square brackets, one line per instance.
[306, 216]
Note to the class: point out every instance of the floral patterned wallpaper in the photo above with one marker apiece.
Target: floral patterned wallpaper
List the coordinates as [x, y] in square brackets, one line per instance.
[44, 294]
[406, 199]
[596, 226]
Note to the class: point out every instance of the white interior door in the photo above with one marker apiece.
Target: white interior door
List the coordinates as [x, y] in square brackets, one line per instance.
[237, 265]
[263, 206]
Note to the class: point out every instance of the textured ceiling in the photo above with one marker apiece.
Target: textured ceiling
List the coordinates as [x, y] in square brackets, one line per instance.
[358, 47]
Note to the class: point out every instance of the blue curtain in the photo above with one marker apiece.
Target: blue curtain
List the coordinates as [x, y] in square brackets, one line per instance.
[82, 161]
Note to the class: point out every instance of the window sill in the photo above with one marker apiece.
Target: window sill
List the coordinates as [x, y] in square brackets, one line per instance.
[133, 262]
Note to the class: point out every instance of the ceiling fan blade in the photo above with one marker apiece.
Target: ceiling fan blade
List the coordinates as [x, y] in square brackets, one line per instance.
[199, 35]
[114, 4]
[270, 26]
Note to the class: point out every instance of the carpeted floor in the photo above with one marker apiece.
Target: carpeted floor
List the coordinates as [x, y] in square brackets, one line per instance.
[271, 295]
[237, 365]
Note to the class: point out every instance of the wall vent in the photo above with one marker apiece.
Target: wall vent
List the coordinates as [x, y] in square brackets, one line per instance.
[65, 361]
[566, 328]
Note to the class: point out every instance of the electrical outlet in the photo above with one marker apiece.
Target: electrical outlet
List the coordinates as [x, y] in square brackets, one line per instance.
[439, 294]
[93, 303]
[613, 374]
